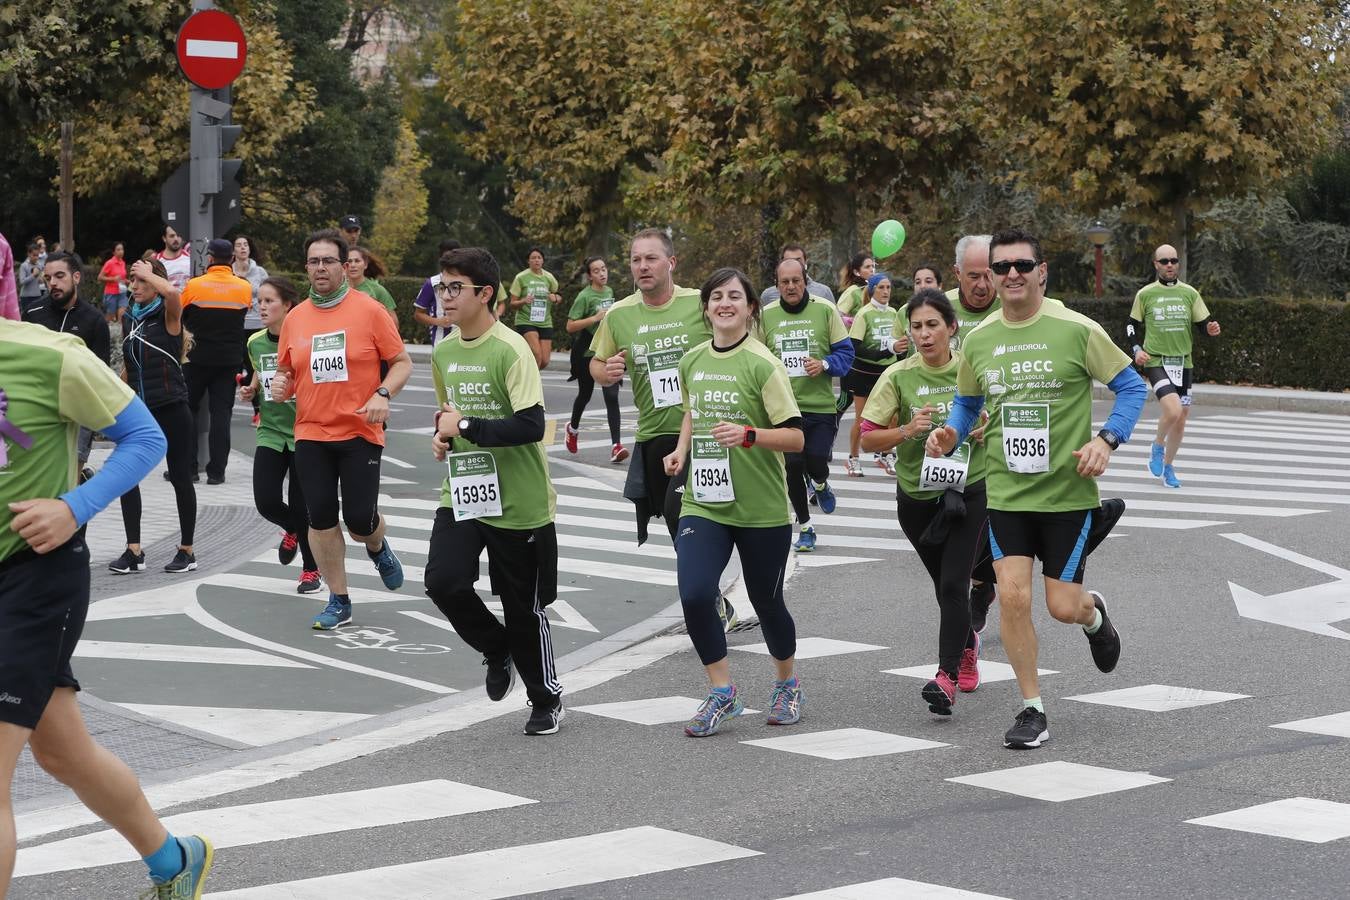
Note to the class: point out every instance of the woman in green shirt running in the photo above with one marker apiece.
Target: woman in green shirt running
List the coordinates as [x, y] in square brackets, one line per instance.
[534, 293]
[940, 502]
[589, 310]
[876, 341]
[740, 417]
[362, 268]
[852, 284]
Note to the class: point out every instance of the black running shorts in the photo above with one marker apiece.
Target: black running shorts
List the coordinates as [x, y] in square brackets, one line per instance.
[1057, 539]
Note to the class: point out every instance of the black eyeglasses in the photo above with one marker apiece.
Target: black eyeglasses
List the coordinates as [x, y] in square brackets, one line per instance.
[1170, 261]
[1004, 266]
[451, 289]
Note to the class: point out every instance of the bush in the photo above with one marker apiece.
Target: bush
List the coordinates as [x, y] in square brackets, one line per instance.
[1267, 342]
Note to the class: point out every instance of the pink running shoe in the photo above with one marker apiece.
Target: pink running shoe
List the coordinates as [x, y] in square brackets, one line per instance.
[940, 694]
[968, 675]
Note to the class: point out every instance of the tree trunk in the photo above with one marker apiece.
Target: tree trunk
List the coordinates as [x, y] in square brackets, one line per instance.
[1181, 226]
[769, 215]
[843, 232]
[67, 204]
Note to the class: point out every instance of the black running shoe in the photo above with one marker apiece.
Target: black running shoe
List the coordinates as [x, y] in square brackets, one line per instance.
[1104, 518]
[1105, 643]
[981, 598]
[127, 563]
[545, 719]
[501, 677]
[286, 550]
[1030, 730]
[183, 561]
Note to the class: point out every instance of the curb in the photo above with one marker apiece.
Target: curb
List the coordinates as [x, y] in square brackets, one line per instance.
[1279, 399]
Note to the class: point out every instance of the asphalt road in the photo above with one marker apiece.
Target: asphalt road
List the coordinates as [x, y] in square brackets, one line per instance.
[1226, 592]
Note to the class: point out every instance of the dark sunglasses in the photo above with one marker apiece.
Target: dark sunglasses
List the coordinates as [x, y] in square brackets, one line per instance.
[1004, 266]
[1170, 261]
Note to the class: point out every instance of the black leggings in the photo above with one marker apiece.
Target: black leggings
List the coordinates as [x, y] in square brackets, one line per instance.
[665, 494]
[270, 468]
[585, 388]
[175, 420]
[702, 552]
[950, 564]
[800, 465]
[353, 464]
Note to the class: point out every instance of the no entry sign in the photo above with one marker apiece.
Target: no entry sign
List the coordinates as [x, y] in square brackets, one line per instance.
[211, 49]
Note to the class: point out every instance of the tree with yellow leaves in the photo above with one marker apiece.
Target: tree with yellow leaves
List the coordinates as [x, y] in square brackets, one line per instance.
[401, 201]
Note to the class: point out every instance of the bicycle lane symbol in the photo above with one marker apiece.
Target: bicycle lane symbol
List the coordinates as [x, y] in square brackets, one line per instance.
[376, 637]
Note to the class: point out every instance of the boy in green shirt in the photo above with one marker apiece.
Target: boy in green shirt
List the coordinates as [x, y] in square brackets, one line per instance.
[498, 495]
[1159, 332]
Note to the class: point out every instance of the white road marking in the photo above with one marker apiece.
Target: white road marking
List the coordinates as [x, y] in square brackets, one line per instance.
[1158, 698]
[1059, 781]
[990, 671]
[511, 871]
[280, 820]
[652, 711]
[182, 653]
[1336, 725]
[258, 727]
[815, 647]
[1294, 557]
[845, 743]
[892, 888]
[1298, 818]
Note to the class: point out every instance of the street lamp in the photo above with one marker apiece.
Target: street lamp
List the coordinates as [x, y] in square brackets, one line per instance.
[1099, 234]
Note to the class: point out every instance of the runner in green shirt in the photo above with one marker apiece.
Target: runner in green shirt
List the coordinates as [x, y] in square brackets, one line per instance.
[533, 293]
[926, 275]
[1159, 333]
[649, 332]
[807, 334]
[740, 417]
[973, 298]
[498, 495]
[274, 457]
[588, 309]
[853, 284]
[876, 341]
[1034, 364]
[940, 502]
[363, 267]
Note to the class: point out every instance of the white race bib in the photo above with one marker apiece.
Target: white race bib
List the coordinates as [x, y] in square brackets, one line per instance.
[794, 352]
[475, 492]
[267, 370]
[882, 332]
[1026, 437]
[710, 474]
[1175, 367]
[663, 375]
[944, 472]
[328, 357]
[538, 306]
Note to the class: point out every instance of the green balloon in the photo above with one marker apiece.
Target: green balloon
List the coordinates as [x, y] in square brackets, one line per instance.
[887, 239]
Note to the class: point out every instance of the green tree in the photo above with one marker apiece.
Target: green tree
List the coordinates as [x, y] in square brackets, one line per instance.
[1161, 108]
[401, 203]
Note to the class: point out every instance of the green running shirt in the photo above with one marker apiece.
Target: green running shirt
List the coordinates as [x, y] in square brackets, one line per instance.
[276, 421]
[877, 329]
[904, 389]
[495, 377]
[1168, 311]
[654, 339]
[967, 320]
[795, 336]
[1036, 377]
[589, 301]
[850, 301]
[746, 385]
[536, 288]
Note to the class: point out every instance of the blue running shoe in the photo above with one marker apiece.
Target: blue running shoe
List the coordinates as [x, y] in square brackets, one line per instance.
[785, 703]
[1170, 477]
[806, 541]
[810, 492]
[825, 497]
[1155, 460]
[391, 570]
[187, 884]
[718, 707]
[337, 613]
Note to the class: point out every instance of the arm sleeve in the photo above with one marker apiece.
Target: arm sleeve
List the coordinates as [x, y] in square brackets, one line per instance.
[524, 427]
[1130, 394]
[387, 339]
[140, 447]
[100, 341]
[883, 403]
[780, 403]
[965, 411]
[1134, 333]
[602, 345]
[840, 359]
[862, 352]
[578, 310]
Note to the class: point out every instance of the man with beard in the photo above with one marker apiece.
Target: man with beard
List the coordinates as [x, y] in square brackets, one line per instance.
[62, 310]
[177, 261]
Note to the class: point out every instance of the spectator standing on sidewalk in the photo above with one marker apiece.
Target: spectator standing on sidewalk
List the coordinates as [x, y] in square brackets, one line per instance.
[113, 277]
[9, 294]
[214, 305]
[177, 261]
[32, 289]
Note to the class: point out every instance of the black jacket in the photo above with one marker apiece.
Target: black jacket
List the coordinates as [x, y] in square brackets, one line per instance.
[81, 320]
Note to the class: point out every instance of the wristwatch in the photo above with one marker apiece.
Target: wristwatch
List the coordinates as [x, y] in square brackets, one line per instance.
[383, 391]
[464, 424]
[1110, 438]
[749, 439]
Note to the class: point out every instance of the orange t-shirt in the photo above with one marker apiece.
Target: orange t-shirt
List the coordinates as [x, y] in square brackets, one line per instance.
[342, 348]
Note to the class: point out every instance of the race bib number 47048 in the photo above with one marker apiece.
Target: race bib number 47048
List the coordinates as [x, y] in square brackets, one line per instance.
[1026, 437]
[328, 357]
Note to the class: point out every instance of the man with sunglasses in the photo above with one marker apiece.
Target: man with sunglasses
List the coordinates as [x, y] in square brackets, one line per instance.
[498, 495]
[1034, 364]
[1159, 332]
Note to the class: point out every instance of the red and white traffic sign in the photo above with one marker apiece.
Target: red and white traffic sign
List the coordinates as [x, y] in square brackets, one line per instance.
[211, 49]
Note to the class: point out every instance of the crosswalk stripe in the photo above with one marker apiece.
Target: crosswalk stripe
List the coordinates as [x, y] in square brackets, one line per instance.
[511, 871]
[256, 727]
[280, 820]
[1188, 461]
[891, 888]
[565, 564]
[1170, 524]
[1113, 487]
[182, 653]
[1240, 480]
[1222, 509]
[1282, 450]
[1285, 430]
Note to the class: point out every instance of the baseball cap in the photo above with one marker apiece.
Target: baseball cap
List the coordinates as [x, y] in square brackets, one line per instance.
[349, 222]
[220, 249]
